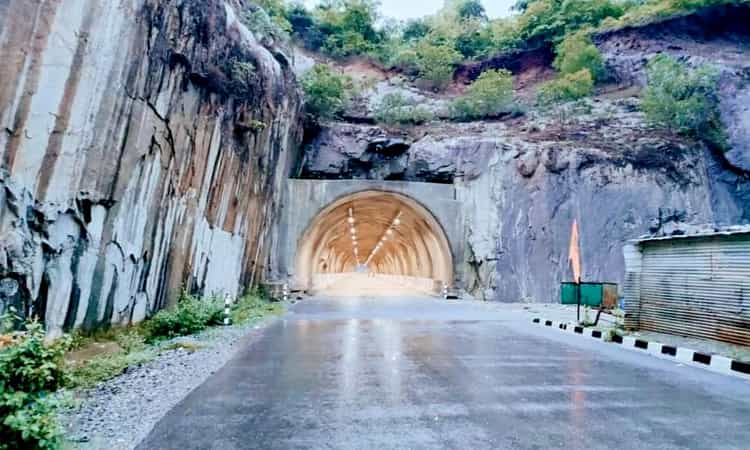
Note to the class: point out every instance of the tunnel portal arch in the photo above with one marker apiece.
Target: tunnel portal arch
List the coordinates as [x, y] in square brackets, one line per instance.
[374, 231]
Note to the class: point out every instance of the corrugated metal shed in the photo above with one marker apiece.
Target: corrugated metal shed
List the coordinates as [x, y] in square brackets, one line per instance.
[695, 285]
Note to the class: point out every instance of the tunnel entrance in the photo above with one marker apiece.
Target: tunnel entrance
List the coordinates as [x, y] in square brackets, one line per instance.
[374, 243]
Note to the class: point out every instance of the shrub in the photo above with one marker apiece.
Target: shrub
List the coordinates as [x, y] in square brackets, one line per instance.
[436, 63]
[190, 316]
[30, 370]
[325, 92]
[491, 94]
[567, 88]
[415, 29]
[683, 99]
[471, 9]
[577, 52]
[243, 76]
[395, 109]
[263, 26]
[254, 306]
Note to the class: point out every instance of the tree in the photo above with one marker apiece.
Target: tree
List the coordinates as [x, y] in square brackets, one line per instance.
[416, 29]
[436, 63]
[491, 94]
[471, 9]
[577, 52]
[325, 92]
[474, 42]
[683, 99]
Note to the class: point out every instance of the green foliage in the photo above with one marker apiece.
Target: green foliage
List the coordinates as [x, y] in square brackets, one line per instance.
[264, 26]
[683, 99]
[471, 9]
[395, 109]
[646, 11]
[191, 315]
[491, 94]
[29, 370]
[475, 42]
[577, 52]
[326, 92]
[243, 76]
[416, 29]
[252, 307]
[552, 20]
[567, 88]
[435, 63]
[276, 10]
[340, 28]
[106, 367]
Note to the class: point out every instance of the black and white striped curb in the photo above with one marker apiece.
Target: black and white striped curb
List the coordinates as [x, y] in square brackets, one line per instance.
[716, 363]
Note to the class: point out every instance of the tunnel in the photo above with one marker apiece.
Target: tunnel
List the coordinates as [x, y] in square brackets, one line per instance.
[374, 242]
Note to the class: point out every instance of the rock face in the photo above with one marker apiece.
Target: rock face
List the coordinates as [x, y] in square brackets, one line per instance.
[522, 182]
[137, 155]
[716, 36]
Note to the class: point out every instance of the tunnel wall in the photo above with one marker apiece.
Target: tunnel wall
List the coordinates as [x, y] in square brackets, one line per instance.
[304, 199]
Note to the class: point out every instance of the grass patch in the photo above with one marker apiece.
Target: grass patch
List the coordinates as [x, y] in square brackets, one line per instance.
[253, 307]
[104, 354]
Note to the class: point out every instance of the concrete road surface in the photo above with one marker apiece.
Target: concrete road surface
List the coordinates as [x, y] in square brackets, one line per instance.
[426, 374]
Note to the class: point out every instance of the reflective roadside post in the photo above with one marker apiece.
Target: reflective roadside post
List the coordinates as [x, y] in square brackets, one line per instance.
[227, 305]
[285, 291]
[445, 291]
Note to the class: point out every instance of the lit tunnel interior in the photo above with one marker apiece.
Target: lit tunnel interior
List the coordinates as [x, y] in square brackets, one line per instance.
[374, 240]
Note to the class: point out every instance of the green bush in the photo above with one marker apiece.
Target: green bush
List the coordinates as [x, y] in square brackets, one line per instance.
[191, 315]
[326, 92]
[395, 109]
[577, 52]
[435, 63]
[29, 371]
[683, 99]
[254, 306]
[567, 88]
[490, 95]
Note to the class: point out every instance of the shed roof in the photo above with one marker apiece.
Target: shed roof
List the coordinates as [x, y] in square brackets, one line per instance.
[697, 232]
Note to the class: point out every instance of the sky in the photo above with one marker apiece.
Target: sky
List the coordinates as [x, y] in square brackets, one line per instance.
[409, 9]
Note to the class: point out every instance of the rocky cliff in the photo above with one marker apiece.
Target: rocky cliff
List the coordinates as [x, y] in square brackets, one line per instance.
[524, 180]
[143, 146]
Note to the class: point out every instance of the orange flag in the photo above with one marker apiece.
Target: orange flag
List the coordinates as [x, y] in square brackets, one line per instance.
[574, 253]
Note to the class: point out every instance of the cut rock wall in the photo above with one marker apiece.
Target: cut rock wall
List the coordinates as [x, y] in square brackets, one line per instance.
[132, 163]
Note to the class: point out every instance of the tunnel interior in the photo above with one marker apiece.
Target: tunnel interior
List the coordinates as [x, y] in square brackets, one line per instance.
[375, 240]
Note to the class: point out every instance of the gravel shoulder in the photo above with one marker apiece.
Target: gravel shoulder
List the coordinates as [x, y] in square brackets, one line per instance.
[119, 413]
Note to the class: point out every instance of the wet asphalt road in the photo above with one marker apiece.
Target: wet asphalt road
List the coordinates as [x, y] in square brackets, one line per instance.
[425, 374]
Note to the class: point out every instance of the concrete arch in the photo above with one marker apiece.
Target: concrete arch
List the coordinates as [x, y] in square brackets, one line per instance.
[417, 247]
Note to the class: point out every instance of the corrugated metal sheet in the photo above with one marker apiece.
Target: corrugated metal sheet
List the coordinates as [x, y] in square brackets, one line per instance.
[696, 287]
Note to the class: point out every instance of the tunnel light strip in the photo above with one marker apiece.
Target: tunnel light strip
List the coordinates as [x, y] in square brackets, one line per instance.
[384, 238]
[351, 225]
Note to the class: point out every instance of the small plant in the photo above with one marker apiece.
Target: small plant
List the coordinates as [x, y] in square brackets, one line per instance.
[683, 99]
[435, 63]
[253, 306]
[563, 94]
[190, 316]
[30, 370]
[325, 91]
[395, 109]
[578, 52]
[489, 96]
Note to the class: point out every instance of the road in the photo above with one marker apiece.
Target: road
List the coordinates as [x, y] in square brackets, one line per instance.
[427, 374]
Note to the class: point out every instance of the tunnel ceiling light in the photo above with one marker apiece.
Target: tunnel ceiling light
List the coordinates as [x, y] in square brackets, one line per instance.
[388, 232]
[351, 220]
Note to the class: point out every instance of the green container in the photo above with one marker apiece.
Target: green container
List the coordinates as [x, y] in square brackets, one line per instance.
[592, 294]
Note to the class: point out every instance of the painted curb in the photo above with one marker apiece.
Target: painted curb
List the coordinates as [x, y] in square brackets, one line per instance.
[715, 363]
